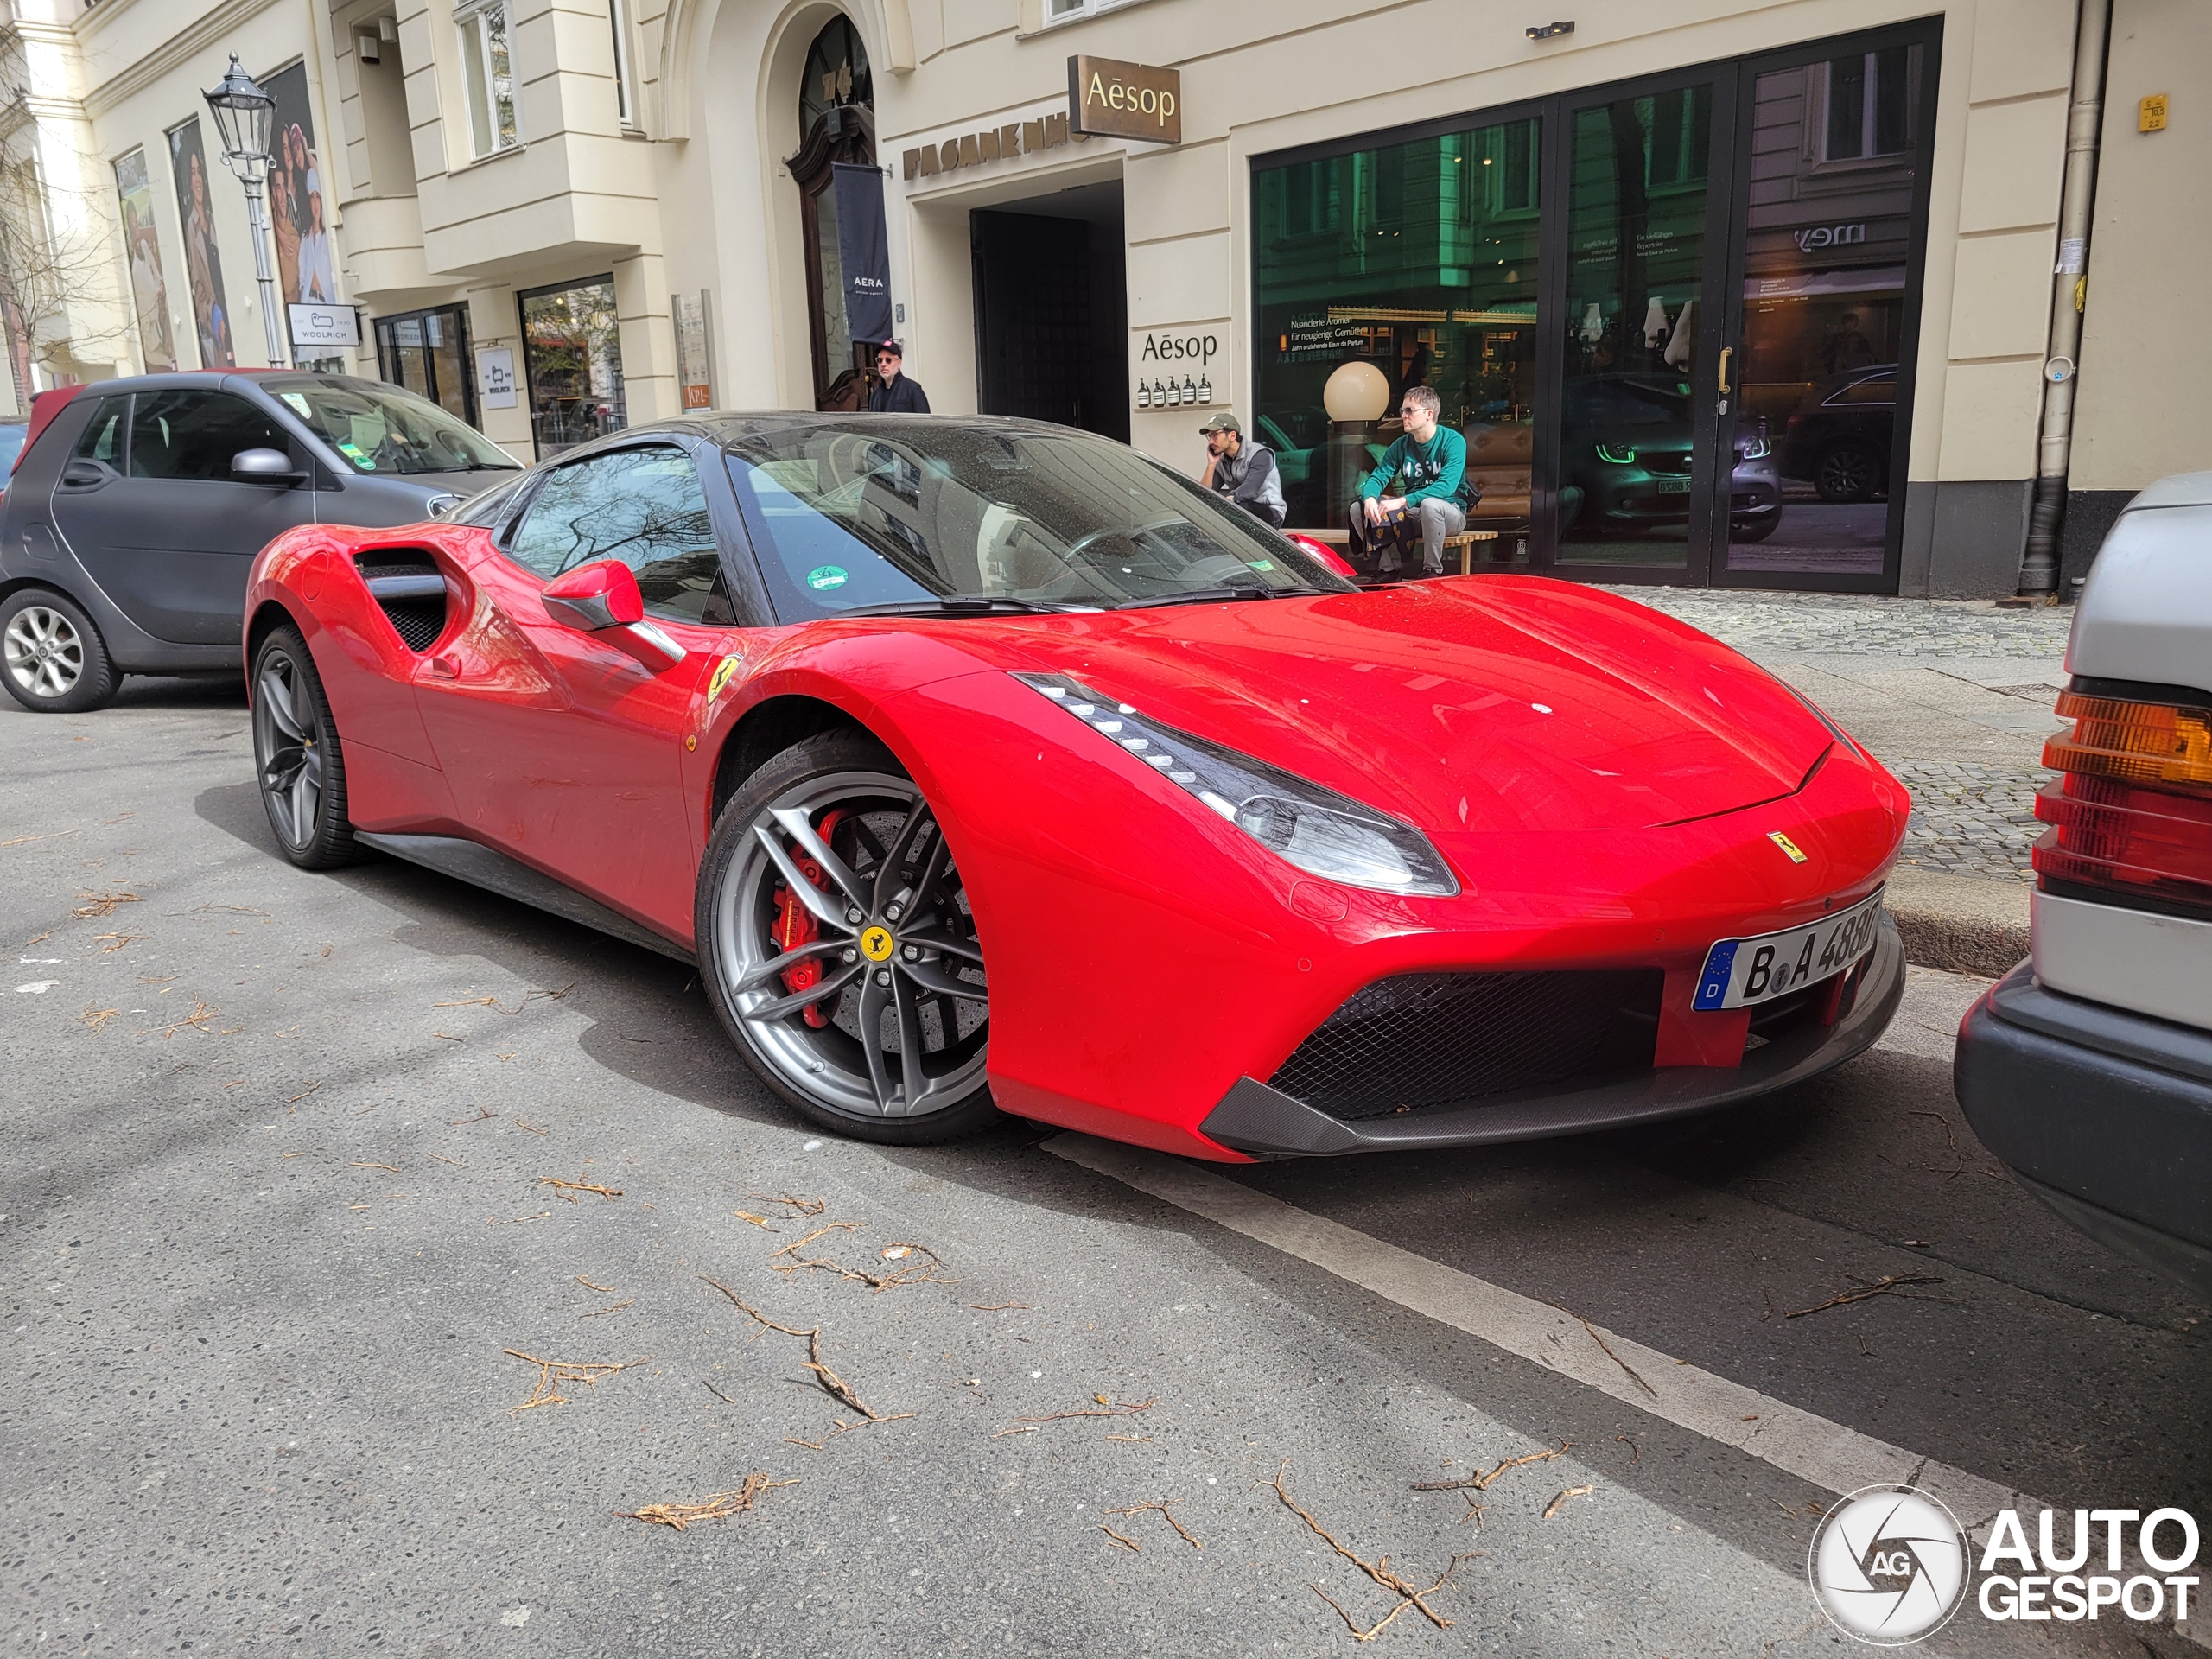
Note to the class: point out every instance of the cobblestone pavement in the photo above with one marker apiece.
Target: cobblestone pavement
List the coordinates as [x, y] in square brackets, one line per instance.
[1956, 660]
[1852, 624]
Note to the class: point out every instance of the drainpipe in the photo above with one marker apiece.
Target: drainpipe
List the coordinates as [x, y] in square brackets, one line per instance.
[2077, 197]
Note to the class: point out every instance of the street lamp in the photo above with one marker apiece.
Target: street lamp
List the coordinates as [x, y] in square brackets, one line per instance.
[244, 114]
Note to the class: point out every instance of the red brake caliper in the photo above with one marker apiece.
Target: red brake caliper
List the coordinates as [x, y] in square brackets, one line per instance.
[795, 925]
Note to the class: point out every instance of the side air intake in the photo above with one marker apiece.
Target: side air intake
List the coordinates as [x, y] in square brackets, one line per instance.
[411, 592]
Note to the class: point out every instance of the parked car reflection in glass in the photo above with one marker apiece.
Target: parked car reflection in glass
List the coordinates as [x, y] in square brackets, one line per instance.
[1839, 435]
[1626, 456]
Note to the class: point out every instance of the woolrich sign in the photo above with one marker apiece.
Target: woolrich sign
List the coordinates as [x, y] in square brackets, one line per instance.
[1107, 99]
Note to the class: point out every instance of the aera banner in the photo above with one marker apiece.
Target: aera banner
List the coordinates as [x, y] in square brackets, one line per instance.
[864, 251]
[1107, 99]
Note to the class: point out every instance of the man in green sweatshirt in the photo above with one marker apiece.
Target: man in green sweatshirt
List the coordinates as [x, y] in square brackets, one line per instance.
[1433, 498]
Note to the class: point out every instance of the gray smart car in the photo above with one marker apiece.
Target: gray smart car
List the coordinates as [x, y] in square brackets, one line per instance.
[130, 520]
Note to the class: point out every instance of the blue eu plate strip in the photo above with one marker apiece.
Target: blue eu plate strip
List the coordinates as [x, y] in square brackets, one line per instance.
[1713, 983]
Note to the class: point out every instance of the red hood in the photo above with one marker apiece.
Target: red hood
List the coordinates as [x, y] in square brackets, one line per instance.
[1502, 704]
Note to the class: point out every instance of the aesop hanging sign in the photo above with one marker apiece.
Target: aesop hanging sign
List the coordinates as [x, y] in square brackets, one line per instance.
[1107, 99]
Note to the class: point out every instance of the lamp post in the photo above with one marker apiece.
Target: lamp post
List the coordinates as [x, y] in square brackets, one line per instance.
[244, 114]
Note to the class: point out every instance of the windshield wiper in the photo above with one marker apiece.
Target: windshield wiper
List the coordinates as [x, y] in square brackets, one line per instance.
[965, 605]
[1216, 595]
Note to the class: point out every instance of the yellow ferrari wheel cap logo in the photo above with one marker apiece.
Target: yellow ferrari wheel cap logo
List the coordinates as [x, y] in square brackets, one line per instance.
[875, 943]
[1787, 846]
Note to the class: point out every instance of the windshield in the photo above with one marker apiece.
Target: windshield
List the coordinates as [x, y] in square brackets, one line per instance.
[388, 429]
[898, 511]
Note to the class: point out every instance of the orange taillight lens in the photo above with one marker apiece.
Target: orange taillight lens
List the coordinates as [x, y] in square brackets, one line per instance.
[2153, 746]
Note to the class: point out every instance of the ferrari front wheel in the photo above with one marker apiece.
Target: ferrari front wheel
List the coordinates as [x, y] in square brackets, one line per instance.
[837, 943]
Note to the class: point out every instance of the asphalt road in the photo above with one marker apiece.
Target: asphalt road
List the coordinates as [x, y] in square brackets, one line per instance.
[275, 1209]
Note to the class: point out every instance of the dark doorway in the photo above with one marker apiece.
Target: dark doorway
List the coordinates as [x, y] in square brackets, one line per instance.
[837, 121]
[1052, 310]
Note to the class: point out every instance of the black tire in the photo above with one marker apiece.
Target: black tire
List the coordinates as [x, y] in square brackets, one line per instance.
[1849, 471]
[894, 885]
[52, 657]
[297, 758]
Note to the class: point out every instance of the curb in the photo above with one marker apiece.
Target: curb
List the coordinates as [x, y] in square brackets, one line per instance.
[1961, 924]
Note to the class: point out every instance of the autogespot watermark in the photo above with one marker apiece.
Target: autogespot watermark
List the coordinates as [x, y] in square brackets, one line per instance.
[1890, 1565]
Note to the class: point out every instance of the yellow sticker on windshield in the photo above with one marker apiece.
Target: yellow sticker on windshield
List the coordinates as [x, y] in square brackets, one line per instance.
[725, 671]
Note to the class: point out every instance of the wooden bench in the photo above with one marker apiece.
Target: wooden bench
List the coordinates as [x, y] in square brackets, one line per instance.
[1464, 543]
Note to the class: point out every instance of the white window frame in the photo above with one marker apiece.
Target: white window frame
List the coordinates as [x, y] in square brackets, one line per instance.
[1870, 94]
[480, 26]
[1069, 11]
[626, 85]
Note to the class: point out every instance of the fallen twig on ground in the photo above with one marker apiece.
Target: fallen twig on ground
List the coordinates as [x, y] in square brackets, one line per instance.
[493, 1003]
[531, 1129]
[1554, 1506]
[996, 1307]
[1164, 1505]
[552, 1373]
[103, 903]
[1129, 1544]
[1478, 1483]
[1888, 1285]
[1610, 1355]
[313, 1084]
[1944, 1120]
[394, 1168]
[758, 1221]
[796, 1206]
[718, 1394]
[832, 1384]
[1636, 1452]
[1378, 1570]
[196, 1020]
[569, 1189]
[596, 1311]
[719, 1506]
[98, 1017]
[604, 1290]
[118, 941]
[482, 1116]
[1105, 1408]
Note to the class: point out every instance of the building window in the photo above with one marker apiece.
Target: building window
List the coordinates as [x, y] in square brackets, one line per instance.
[625, 99]
[572, 364]
[1870, 104]
[1057, 11]
[487, 73]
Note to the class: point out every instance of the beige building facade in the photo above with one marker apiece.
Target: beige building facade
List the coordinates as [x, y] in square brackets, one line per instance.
[1798, 261]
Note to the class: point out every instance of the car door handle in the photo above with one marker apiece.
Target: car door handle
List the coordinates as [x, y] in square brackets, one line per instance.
[85, 475]
[441, 668]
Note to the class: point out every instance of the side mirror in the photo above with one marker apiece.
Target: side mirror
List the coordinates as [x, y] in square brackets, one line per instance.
[601, 599]
[264, 466]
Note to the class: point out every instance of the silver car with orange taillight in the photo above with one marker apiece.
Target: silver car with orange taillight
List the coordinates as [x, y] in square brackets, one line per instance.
[2087, 1070]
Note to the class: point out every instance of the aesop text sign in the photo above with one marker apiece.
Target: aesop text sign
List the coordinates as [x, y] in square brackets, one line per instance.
[1107, 99]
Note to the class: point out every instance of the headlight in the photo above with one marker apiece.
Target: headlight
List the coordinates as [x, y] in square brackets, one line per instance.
[1320, 831]
[1619, 454]
[1755, 448]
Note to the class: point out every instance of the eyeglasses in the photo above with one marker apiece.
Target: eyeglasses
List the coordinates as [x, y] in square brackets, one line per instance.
[884, 357]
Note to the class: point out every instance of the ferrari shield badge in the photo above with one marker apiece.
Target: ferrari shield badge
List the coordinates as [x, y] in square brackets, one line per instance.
[1787, 846]
[725, 671]
[875, 943]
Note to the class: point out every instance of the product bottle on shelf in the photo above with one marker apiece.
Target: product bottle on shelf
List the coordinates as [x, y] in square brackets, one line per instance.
[1144, 395]
[1205, 390]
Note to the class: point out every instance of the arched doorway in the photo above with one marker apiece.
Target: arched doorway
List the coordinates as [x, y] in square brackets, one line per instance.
[837, 123]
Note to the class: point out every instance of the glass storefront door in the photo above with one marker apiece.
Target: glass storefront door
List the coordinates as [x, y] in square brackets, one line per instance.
[1674, 318]
[572, 364]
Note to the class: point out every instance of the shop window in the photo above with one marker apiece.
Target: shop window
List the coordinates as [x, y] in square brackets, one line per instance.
[487, 75]
[1869, 105]
[1438, 287]
[1682, 137]
[427, 352]
[572, 363]
[1061, 10]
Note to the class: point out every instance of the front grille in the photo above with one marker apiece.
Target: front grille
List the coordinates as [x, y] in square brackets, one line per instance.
[418, 618]
[1419, 1041]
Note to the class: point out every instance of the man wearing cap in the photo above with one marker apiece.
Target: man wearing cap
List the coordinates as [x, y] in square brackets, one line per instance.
[1244, 473]
[894, 391]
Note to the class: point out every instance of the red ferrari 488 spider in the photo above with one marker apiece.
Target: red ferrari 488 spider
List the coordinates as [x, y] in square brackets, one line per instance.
[986, 765]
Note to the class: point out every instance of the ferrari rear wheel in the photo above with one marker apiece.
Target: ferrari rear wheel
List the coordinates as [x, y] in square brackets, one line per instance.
[838, 946]
[297, 755]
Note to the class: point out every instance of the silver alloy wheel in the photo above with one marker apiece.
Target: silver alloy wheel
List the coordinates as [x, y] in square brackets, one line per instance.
[903, 1009]
[45, 653]
[286, 745]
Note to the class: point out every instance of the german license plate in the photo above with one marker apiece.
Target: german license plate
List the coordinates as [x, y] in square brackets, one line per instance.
[1739, 973]
[1671, 486]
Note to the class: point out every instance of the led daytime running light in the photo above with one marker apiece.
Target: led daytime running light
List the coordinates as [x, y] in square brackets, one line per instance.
[1619, 454]
[2157, 745]
[1315, 828]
